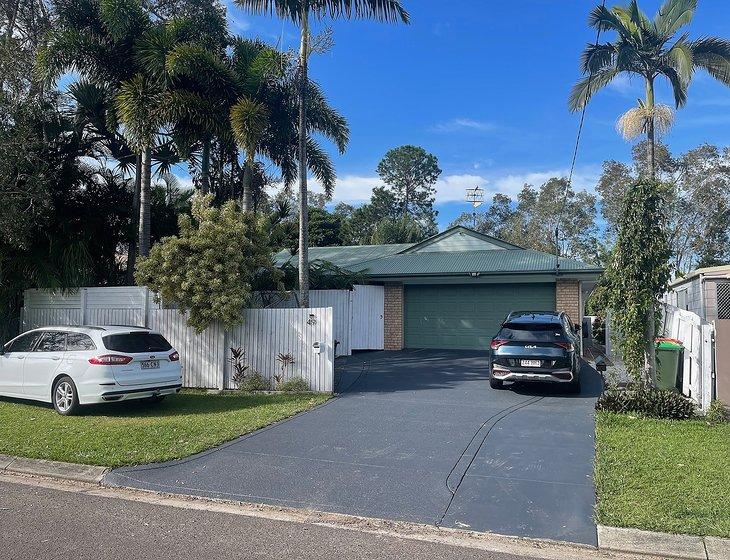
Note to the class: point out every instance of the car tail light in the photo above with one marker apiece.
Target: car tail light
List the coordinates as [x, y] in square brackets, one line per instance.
[110, 360]
[174, 357]
[497, 342]
[567, 345]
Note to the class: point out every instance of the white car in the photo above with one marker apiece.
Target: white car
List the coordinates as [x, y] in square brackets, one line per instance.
[74, 366]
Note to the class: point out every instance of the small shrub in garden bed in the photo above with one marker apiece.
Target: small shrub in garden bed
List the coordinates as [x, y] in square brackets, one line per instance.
[255, 382]
[294, 385]
[717, 413]
[653, 403]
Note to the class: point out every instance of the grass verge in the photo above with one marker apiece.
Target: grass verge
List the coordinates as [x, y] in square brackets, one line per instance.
[663, 475]
[134, 432]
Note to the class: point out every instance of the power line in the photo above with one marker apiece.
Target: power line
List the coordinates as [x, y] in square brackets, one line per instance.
[575, 157]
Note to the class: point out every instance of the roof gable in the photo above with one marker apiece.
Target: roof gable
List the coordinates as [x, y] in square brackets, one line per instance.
[459, 239]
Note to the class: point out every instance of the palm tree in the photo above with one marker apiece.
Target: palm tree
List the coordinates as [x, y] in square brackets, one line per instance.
[299, 11]
[650, 50]
[140, 106]
[249, 120]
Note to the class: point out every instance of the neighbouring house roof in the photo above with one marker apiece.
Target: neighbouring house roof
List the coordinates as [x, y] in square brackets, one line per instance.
[722, 271]
[456, 251]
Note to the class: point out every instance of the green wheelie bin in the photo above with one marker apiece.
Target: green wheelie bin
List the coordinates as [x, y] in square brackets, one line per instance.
[669, 360]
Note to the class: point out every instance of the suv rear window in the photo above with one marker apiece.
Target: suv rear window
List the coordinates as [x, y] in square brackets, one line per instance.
[136, 342]
[532, 332]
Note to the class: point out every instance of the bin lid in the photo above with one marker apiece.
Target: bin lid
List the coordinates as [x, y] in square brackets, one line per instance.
[669, 343]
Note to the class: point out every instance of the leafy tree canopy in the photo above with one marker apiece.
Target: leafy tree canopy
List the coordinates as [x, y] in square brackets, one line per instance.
[208, 270]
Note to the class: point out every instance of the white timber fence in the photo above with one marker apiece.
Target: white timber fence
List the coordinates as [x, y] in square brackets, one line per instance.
[358, 314]
[697, 336]
[265, 334]
[308, 335]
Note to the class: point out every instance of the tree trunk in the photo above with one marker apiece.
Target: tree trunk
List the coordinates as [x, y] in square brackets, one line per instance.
[144, 202]
[235, 176]
[205, 167]
[132, 252]
[650, 327]
[246, 204]
[303, 202]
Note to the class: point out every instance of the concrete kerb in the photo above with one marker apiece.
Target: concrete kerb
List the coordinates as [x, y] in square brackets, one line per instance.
[611, 540]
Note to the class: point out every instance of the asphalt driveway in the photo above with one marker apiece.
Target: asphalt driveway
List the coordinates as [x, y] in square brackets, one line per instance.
[418, 436]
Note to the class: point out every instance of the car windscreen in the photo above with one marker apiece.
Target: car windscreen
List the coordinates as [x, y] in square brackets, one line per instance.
[136, 342]
[532, 332]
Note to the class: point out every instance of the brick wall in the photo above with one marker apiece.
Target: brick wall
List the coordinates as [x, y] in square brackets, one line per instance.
[567, 298]
[393, 316]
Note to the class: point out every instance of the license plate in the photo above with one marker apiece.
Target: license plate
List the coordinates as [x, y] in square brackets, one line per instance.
[150, 364]
[530, 363]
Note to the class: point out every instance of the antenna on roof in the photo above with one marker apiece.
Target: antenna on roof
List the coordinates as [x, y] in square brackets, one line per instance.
[475, 197]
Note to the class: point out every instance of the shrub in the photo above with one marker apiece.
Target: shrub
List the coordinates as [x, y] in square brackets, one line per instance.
[654, 403]
[237, 360]
[294, 385]
[717, 413]
[255, 382]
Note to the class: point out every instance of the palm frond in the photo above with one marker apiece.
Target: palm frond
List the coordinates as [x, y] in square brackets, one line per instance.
[249, 120]
[123, 18]
[321, 166]
[672, 15]
[679, 85]
[712, 54]
[587, 86]
[322, 118]
[597, 57]
[681, 58]
[603, 19]
[379, 10]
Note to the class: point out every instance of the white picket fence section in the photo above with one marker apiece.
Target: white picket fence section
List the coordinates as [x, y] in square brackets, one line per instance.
[697, 337]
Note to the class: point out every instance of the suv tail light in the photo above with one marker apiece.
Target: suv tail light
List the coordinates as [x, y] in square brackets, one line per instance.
[567, 345]
[110, 360]
[497, 342]
[174, 357]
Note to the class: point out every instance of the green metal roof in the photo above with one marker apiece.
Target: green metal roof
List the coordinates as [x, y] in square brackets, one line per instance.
[345, 257]
[482, 262]
[410, 259]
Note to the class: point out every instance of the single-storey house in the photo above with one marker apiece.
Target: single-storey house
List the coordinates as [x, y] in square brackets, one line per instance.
[705, 291]
[454, 289]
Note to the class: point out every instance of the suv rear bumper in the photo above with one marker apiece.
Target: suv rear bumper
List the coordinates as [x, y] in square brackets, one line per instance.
[563, 375]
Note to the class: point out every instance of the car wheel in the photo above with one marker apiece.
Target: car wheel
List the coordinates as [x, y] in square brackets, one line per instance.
[495, 383]
[575, 386]
[65, 397]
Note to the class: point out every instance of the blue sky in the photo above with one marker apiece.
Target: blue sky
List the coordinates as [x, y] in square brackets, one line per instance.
[484, 87]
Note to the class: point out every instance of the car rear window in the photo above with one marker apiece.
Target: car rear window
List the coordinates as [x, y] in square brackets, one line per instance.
[136, 342]
[533, 332]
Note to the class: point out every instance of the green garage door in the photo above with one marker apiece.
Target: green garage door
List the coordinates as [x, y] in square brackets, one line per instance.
[467, 317]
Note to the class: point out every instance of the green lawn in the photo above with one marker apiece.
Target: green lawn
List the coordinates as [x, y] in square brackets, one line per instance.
[134, 432]
[663, 475]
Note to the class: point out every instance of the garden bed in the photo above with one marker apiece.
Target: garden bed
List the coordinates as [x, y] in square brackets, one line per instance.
[135, 432]
[663, 475]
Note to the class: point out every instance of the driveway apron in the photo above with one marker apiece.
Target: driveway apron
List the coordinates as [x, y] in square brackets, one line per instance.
[419, 436]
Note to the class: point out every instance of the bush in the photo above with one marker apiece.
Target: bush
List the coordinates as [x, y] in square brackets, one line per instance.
[255, 382]
[717, 413]
[653, 403]
[294, 385]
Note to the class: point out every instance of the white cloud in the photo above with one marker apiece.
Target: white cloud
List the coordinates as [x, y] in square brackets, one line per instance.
[357, 189]
[455, 125]
[623, 85]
